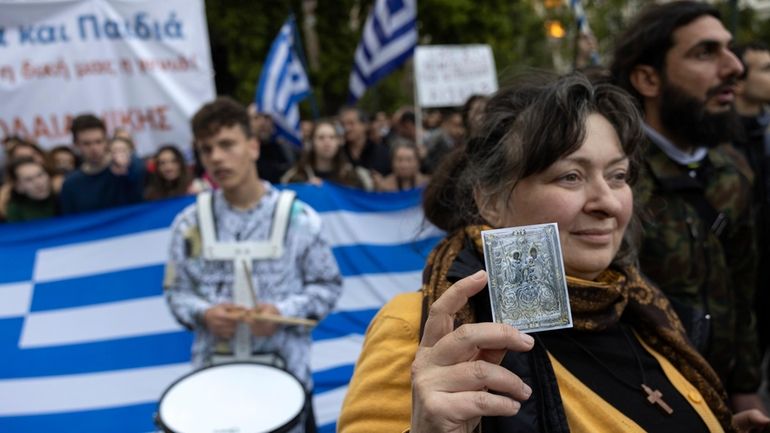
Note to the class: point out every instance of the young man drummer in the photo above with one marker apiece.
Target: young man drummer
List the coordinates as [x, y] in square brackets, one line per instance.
[246, 251]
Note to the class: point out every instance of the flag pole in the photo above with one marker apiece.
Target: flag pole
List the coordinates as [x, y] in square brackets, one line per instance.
[417, 108]
[303, 60]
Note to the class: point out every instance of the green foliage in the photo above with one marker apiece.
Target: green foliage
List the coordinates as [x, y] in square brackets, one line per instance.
[749, 26]
[608, 19]
[512, 28]
[337, 44]
[241, 34]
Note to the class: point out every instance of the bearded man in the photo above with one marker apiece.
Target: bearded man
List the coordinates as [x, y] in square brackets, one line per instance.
[694, 193]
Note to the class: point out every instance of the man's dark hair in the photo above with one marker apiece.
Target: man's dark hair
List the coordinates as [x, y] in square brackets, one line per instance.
[448, 112]
[65, 148]
[740, 51]
[221, 112]
[84, 122]
[363, 117]
[407, 117]
[649, 36]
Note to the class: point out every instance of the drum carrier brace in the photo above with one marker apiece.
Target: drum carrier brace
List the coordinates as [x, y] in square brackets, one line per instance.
[242, 254]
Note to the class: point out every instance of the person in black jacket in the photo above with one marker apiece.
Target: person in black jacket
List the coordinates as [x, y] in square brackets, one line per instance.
[361, 151]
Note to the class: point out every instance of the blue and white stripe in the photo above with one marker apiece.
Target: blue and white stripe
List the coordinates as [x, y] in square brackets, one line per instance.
[283, 84]
[86, 340]
[582, 22]
[388, 40]
[580, 16]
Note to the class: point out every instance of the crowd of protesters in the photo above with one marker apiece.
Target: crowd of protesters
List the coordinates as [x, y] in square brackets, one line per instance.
[701, 193]
[96, 171]
[99, 169]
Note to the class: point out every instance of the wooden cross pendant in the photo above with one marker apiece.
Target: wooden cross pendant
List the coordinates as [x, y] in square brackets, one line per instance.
[655, 397]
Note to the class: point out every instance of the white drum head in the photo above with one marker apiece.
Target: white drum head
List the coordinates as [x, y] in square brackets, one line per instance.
[238, 397]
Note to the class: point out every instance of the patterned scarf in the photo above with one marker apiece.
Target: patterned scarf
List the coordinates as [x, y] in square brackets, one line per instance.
[596, 305]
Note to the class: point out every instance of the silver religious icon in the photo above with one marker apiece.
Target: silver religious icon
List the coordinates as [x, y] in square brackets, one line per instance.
[527, 285]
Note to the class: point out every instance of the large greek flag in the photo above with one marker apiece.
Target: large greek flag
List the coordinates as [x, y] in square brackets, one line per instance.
[283, 84]
[87, 344]
[389, 38]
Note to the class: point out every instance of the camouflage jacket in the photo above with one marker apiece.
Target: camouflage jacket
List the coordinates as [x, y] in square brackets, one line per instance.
[694, 265]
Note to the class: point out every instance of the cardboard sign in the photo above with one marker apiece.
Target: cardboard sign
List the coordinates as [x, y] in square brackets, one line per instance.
[446, 75]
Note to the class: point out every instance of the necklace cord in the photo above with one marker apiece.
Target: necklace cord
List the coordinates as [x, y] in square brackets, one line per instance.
[608, 369]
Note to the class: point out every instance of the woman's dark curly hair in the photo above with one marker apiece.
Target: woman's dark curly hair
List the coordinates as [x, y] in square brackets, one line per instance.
[526, 128]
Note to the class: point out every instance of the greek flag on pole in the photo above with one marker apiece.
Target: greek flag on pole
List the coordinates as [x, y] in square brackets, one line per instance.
[582, 22]
[87, 344]
[389, 38]
[580, 16]
[283, 84]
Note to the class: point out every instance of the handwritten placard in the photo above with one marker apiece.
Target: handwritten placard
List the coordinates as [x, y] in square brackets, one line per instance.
[446, 75]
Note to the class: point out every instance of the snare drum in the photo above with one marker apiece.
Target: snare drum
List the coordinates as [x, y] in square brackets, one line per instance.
[239, 397]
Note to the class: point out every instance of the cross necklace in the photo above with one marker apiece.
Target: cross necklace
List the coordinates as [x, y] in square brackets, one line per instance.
[654, 396]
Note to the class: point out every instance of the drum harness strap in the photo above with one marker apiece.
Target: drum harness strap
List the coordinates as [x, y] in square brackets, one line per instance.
[242, 254]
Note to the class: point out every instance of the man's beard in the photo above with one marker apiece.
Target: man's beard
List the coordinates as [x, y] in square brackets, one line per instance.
[687, 118]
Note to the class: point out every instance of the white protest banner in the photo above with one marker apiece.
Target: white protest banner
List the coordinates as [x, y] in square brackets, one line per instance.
[446, 75]
[140, 65]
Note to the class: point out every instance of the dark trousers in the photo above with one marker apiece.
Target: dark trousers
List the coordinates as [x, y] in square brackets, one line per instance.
[310, 426]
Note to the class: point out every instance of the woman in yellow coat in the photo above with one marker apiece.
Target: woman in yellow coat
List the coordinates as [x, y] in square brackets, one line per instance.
[564, 151]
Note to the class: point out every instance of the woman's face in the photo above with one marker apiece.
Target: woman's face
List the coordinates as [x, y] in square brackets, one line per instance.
[33, 181]
[326, 142]
[120, 150]
[167, 165]
[64, 162]
[586, 193]
[405, 163]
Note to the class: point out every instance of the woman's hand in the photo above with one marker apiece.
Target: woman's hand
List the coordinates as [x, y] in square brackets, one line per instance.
[455, 371]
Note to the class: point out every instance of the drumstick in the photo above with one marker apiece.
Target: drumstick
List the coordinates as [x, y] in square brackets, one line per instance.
[270, 317]
[252, 291]
[282, 319]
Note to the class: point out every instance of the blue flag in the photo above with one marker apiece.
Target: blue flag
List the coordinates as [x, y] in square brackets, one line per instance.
[283, 84]
[388, 40]
[87, 343]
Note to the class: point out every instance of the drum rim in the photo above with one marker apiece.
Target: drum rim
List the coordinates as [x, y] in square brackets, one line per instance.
[284, 428]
